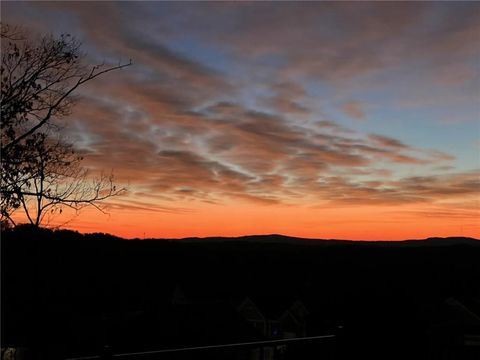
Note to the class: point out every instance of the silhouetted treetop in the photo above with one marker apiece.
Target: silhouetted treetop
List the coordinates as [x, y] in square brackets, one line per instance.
[40, 171]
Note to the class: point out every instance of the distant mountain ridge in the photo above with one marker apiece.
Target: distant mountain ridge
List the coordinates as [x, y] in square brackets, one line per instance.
[283, 239]
[27, 231]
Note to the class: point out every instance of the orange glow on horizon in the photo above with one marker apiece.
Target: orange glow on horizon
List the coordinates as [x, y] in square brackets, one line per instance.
[350, 223]
[213, 134]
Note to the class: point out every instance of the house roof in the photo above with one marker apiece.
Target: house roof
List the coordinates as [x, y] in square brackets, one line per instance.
[455, 312]
[273, 307]
[461, 313]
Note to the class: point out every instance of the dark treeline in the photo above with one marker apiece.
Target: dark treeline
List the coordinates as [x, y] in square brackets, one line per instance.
[66, 294]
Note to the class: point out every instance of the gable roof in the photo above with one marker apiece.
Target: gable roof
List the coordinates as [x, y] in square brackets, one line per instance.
[455, 313]
[274, 307]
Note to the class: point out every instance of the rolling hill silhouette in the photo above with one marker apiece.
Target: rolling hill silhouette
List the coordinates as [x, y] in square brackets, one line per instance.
[66, 293]
[283, 239]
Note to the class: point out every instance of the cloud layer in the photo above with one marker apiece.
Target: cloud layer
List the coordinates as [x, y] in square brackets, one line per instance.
[295, 104]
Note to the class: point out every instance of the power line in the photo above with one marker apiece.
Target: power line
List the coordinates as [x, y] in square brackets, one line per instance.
[211, 347]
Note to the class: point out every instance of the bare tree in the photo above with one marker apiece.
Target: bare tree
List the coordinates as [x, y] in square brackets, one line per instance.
[38, 79]
[56, 180]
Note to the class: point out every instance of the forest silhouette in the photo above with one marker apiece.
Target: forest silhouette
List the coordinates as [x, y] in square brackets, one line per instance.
[68, 294]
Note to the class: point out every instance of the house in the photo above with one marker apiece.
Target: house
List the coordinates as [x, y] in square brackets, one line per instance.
[454, 332]
[212, 317]
[252, 314]
[294, 320]
[274, 318]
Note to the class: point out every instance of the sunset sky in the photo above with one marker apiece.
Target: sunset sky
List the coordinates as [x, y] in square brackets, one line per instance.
[322, 120]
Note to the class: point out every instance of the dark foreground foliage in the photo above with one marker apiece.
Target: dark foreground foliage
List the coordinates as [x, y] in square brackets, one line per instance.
[66, 294]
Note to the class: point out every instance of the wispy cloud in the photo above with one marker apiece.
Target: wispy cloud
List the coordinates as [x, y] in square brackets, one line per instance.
[354, 109]
[257, 105]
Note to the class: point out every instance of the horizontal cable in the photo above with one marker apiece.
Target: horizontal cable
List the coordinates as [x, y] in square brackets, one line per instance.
[210, 347]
